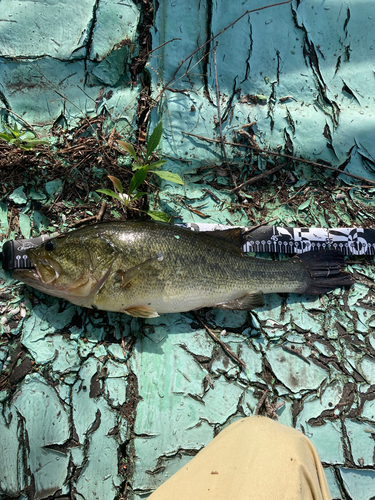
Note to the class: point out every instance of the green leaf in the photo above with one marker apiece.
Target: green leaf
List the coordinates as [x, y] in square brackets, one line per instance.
[27, 145]
[116, 182]
[137, 196]
[41, 222]
[154, 139]
[34, 142]
[14, 131]
[138, 178]
[156, 215]
[54, 187]
[6, 137]
[128, 148]
[157, 164]
[304, 205]
[109, 192]
[18, 196]
[25, 225]
[136, 166]
[169, 176]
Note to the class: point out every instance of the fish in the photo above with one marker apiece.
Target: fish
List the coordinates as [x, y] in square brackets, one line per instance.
[146, 268]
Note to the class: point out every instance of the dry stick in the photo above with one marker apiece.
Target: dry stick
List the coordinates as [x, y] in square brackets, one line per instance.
[265, 223]
[189, 70]
[224, 346]
[297, 352]
[10, 220]
[298, 192]
[100, 215]
[159, 47]
[24, 121]
[261, 176]
[83, 221]
[219, 115]
[271, 409]
[123, 346]
[55, 88]
[157, 99]
[282, 155]
[261, 401]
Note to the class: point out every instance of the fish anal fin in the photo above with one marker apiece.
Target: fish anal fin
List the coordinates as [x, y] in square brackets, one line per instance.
[249, 301]
[141, 312]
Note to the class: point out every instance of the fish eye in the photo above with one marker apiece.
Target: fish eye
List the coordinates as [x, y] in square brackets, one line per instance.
[50, 245]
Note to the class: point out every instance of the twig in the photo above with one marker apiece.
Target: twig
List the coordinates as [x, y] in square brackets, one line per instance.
[297, 193]
[86, 94]
[10, 220]
[158, 97]
[252, 228]
[83, 221]
[158, 47]
[271, 409]
[55, 88]
[123, 346]
[23, 120]
[100, 215]
[282, 155]
[260, 402]
[297, 352]
[259, 177]
[219, 116]
[248, 125]
[224, 346]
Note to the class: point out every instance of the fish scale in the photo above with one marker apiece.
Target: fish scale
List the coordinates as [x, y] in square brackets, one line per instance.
[145, 269]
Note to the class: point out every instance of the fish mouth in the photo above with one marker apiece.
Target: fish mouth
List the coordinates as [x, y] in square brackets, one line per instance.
[43, 276]
[45, 269]
[43, 273]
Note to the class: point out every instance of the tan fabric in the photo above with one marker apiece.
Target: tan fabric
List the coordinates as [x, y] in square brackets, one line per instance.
[254, 458]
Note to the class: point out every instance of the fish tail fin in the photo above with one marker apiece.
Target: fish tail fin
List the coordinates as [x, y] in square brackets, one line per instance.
[326, 272]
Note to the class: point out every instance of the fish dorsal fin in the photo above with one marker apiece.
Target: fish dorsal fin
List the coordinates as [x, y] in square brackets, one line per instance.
[141, 312]
[233, 235]
[249, 301]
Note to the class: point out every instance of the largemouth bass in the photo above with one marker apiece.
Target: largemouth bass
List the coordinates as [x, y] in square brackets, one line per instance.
[146, 269]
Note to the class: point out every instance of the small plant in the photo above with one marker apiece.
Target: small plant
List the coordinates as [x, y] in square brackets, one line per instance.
[142, 167]
[21, 138]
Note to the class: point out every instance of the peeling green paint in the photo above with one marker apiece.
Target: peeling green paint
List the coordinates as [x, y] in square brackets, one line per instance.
[46, 425]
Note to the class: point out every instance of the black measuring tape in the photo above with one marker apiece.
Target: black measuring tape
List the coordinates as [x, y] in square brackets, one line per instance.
[14, 256]
[289, 240]
[292, 240]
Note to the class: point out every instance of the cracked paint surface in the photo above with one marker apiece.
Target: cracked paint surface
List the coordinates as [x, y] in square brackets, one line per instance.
[56, 56]
[84, 418]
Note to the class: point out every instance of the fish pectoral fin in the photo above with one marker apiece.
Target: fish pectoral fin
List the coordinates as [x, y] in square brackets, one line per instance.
[249, 301]
[128, 275]
[141, 312]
